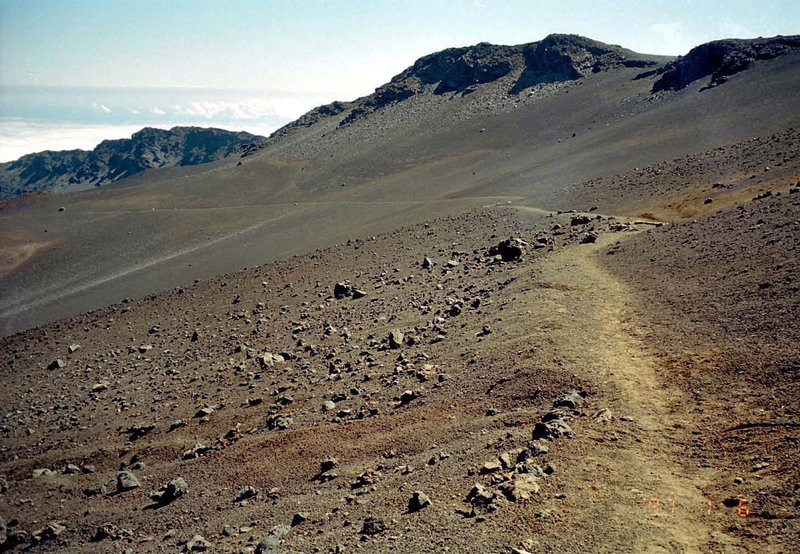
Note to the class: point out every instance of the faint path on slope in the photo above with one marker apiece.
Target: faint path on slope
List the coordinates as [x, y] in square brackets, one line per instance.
[615, 484]
[460, 199]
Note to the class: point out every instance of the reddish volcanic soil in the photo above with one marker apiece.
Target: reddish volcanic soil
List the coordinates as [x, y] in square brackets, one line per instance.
[684, 360]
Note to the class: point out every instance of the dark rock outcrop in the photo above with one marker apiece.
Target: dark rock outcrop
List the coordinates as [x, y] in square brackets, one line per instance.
[721, 59]
[113, 160]
[455, 69]
[560, 58]
[509, 250]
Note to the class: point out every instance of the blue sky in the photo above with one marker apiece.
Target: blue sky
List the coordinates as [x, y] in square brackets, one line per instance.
[260, 63]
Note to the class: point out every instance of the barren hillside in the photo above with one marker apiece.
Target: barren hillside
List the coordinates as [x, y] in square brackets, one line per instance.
[564, 323]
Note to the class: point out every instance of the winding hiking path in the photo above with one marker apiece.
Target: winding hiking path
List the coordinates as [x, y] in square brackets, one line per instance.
[635, 491]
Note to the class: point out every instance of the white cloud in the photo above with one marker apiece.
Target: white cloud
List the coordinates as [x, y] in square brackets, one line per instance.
[19, 137]
[245, 109]
[101, 107]
[249, 108]
[292, 107]
[90, 119]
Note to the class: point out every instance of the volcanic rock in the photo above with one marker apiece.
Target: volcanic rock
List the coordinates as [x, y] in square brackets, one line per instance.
[418, 501]
[721, 59]
[204, 412]
[197, 544]
[299, 518]
[509, 250]
[342, 290]
[537, 448]
[553, 429]
[571, 399]
[126, 481]
[110, 531]
[279, 422]
[481, 497]
[171, 491]
[269, 545]
[245, 493]
[522, 487]
[328, 463]
[373, 526]
[51, 531]
[396, 339]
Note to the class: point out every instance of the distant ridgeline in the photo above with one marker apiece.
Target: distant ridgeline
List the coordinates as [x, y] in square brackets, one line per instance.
[506, 70]
[556, 59]
[111, 160]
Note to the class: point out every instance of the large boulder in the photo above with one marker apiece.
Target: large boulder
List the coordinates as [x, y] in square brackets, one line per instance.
[509, 250]
[418, 501]
[197, 544]
[373, 526]
[553, 429]
[481, 498]
[570, 399]
[342, 290]
[521, 487]
[171, 491]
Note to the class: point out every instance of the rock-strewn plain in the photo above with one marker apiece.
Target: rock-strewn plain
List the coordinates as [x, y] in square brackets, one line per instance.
[495, 358]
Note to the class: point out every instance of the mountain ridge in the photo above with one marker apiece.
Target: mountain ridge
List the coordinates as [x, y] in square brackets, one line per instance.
[115, 159]
[516, 72]
[556, 59]
[512, 74]
[721, 59]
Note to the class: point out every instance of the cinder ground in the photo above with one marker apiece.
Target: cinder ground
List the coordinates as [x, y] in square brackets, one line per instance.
[680, 407]
[672, 318]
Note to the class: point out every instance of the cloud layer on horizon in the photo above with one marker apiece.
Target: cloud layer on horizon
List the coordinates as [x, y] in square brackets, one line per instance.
[19, 137]
[33, 119]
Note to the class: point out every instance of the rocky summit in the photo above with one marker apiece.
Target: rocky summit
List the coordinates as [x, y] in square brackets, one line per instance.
[555, 59]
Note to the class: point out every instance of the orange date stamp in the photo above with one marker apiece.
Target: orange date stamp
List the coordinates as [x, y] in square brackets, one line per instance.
[658, 509]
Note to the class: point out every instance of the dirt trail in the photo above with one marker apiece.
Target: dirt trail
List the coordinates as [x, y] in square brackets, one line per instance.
[633, 491]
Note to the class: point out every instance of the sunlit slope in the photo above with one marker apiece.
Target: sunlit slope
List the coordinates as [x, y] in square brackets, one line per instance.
[165, 228]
